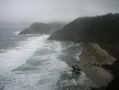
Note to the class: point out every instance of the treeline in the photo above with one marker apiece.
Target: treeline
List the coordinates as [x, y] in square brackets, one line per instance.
[103, 30]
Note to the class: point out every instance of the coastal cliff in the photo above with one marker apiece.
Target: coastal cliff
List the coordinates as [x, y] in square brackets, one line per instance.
[42, 28]
[103, 30]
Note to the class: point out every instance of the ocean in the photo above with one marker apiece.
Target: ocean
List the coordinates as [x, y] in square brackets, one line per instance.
[31, 62]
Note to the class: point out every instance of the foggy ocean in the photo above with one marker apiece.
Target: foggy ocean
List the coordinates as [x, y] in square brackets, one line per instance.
[31, 62]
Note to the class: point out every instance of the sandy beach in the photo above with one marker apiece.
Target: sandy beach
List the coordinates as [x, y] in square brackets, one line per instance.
[90, 61]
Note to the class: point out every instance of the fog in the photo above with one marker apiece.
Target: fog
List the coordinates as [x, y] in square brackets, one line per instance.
[53, 10]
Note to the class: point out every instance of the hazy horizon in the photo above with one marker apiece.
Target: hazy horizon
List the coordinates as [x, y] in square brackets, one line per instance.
[53, 10]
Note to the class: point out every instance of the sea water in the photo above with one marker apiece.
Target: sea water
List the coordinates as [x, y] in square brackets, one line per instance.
[31, 62]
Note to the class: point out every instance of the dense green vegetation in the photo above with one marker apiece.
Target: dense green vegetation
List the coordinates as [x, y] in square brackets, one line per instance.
[103, 30]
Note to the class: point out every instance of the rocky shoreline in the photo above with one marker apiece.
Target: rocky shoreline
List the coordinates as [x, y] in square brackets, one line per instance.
[92, 60]
[102, 30]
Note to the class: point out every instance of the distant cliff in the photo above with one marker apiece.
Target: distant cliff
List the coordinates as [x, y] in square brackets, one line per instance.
[42, 28]
[103, 30]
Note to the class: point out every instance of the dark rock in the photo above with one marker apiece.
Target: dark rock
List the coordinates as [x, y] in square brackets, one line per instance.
[114, 84]
[101, 88]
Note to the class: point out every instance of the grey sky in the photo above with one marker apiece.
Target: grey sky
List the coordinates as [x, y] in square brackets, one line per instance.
[49, 10]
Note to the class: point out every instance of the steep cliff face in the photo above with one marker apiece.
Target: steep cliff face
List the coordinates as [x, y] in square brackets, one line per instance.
[103, 30]
[42, 28]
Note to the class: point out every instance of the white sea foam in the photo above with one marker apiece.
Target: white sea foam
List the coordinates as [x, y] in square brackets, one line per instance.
[17, 56]
[35, 65]
[27, 56]
[17, 32]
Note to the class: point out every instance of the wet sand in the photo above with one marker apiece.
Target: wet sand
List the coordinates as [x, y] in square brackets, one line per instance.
[91, 61]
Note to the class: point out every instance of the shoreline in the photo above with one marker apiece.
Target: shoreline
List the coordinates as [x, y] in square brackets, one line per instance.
[92, 58]
[91, 61]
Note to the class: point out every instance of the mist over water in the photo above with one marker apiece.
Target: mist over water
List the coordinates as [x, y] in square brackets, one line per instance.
[31, 62]
[8, 34]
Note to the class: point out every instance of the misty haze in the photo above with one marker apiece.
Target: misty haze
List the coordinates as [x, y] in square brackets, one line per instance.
[59, 44]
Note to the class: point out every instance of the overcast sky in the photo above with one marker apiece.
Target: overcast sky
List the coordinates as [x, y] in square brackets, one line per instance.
[50, 10]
